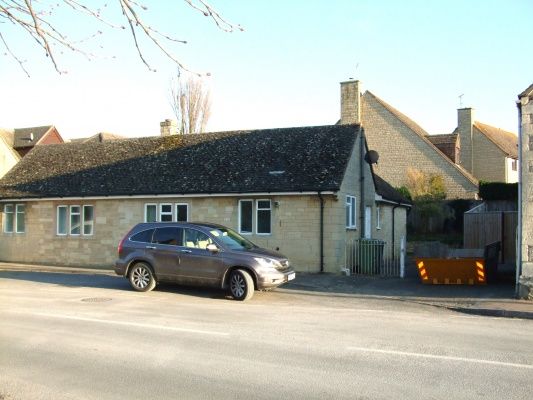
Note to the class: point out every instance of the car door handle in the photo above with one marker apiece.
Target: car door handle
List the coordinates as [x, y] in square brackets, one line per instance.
[186, 251]
[150, 247]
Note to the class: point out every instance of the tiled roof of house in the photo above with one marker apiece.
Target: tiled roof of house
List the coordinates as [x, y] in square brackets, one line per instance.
[28, 137]
[506, 141]
[385, 190]
[413, 126]
[99, 137]
[445, 143]
[312, 158]
[527, 93]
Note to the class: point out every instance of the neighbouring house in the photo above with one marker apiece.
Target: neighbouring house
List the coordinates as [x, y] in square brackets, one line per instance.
[490, 154]
[401, 143]
[525, 264]
[15, 144]
[303, 191]
[99, 137]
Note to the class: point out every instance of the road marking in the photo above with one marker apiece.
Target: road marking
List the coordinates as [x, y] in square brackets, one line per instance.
[439, 357]
[136, 324]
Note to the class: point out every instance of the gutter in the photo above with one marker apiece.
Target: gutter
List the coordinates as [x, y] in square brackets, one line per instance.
[394, 228]
[362, 180]
[519, 227]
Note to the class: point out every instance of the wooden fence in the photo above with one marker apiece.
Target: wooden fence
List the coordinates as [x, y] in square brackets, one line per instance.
[483, 228]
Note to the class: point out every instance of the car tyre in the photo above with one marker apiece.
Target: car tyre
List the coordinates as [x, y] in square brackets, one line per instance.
[141, 277]
[241, 285]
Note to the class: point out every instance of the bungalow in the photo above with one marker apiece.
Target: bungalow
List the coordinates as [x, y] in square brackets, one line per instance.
[303, 191]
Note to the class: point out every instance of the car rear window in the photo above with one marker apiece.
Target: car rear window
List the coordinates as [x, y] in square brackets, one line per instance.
[169, 235]
[143, 236]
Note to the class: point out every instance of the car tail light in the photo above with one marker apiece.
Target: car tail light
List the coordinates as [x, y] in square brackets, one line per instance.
[121, 244]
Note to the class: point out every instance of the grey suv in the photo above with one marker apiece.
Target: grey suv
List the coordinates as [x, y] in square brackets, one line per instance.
[201, 254]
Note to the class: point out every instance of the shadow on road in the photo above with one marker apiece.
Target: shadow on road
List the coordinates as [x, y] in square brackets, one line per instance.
[106, 282]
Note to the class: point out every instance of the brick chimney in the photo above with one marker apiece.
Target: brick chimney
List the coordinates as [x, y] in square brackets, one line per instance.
[168, 127]
[465, 129]
[350, 102]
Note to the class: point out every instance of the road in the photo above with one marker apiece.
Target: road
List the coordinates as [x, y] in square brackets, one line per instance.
[71, 336]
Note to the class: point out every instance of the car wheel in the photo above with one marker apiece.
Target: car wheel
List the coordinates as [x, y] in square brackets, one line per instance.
[141, 277]
[241, 285]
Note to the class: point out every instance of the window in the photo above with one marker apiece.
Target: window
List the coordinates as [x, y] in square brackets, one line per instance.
[514, 165]
[8, 218]
[378, 217]
[20, 218]
[245, 216]
[62, 223]
[165, 213]
[264, 217]
[143, 236]
[351, 212]
[88, 220]
[171, 236]
[182, 212]
[150, 213]
[75, 220]
[196, 239]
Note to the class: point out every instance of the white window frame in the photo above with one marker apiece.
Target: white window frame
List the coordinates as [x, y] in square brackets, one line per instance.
[351, 203]
[84, 221]
[146, 205]
[378, 217]
[17, 212]
[176, 205]
[70, 214]
[239, 222]
[67, 220]
[257, 209]
[161, 213]
[12, 212]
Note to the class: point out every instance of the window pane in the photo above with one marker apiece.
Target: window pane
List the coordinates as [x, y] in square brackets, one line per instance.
[165, 213]
[182, 212]
[263, 204]
[170, 236]
[75, 220]
[61, 220]
[151, 213]
[21, 220]
[263, 221]
[353, 212]
[144, 236]
[8, 215]
[88, 220]
[196, 239]
[348, 207]
[246, 216]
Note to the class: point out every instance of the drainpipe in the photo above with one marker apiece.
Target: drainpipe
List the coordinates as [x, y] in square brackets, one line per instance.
[519, 226]
[321, 232]
[361, 134]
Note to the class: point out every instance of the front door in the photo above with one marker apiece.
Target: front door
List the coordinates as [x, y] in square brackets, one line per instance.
[368, 222]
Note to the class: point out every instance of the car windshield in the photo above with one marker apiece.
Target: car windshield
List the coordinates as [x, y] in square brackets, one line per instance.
[231, 239]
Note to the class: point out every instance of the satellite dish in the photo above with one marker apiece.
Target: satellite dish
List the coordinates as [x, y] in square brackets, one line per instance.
[372, 157]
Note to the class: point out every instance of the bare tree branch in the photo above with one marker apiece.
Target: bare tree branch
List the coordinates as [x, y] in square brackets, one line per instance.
[191, 104]
[13, 55]
[35, 18]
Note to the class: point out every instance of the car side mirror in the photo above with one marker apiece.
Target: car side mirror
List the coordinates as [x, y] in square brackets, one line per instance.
[212, 248]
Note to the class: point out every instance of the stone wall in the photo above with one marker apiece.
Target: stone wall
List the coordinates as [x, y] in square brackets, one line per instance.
[489, 160]
[526, 161]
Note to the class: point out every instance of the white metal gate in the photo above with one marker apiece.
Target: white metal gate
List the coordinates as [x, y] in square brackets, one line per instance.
[374, 257]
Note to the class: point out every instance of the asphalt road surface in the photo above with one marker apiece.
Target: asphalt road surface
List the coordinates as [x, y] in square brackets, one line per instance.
[67, 336]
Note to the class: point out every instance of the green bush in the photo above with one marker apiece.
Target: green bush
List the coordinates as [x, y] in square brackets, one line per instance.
[498, 191]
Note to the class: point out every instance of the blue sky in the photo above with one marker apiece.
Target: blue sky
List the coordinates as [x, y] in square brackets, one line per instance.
[285, 68]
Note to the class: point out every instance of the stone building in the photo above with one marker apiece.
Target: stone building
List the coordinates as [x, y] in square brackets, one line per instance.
[303, 191]
[488, 153]
[401, 143]
[525, 267]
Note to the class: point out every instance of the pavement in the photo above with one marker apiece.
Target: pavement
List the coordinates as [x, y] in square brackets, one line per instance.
[495, 300]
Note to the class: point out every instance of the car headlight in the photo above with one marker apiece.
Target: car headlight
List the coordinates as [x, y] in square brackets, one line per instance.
[268, 263]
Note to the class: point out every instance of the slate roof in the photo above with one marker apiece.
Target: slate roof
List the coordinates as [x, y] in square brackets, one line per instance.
[22, 136]
[445, 143]
[385, 190]
[313, 158]
[506, 141]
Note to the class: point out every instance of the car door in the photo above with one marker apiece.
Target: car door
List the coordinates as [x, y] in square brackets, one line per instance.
[198, 265]
[164, 251]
